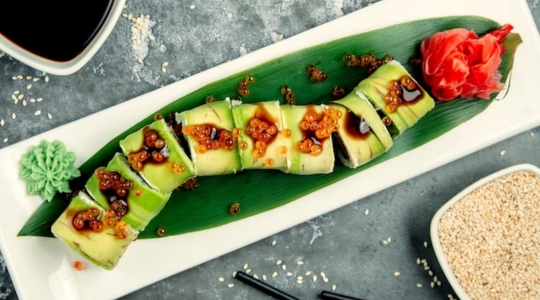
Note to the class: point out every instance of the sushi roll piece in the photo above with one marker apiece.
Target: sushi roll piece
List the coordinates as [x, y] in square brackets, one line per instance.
[307, 131]
[156, 154]
[362, 136]
[211, 136]
[260, 142]
[119, 188]
[394, 92]
[84, 227]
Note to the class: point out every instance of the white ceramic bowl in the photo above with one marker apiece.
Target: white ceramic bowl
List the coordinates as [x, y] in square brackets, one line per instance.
[435, 241]
[72, 66]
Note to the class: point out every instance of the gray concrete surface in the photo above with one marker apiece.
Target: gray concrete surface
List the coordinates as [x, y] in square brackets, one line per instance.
[345, 244]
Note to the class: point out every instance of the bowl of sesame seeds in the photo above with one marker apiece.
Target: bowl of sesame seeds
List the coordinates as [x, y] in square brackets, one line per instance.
[487, 238]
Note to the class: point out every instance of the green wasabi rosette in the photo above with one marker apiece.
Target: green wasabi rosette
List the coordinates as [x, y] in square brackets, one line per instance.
[47, 169]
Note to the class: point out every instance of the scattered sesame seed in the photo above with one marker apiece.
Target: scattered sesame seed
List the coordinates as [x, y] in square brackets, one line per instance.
[28, 77]
[35, 79]
[397, 274]
[308, 273]
[299, 278]
[278, 262]
[419, 285]
[425, 244]
[284, 267]
[385, 242]
[503, 152]
[221, 279]
[439, 283]
[165, 64]
[367, 212]
[37, 113]
[33, 100]
[435, 279]
[124, 15]
[14, 98]
[426, 268]
[2, 122]
[255, 276]
[264, 277]
[14, 77]
[314, 278]
[418, 261]
[28, 86]
[430, 273]
[389, 239]
[273, 242]
[163, 70]
[245, 266]
[230, 285]
[46, 78]
[248, 271]
[274, 274]
[424, 261]
[334, 287]
[24, 103]
[432, 284]
[192, 6]
[323, 275]
[299, 281]
[13, 116]
[234, 274]
[289, 274]
[39, 99]
[300, 263]
[531, 133]
[5, 140]
[325, 279]
[20, 96]
[16, 92]
[19, 77]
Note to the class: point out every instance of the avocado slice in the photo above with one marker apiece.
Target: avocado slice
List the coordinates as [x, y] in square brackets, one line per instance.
[305, 163]
[357, 142]
[103, 248]
[415, 103]
[175, 167]
[273, 155]
[218, 116]
[143, 202]
[363, 108]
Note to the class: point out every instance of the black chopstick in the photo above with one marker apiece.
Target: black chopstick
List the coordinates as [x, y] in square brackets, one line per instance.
[327, 295]
[263, 287]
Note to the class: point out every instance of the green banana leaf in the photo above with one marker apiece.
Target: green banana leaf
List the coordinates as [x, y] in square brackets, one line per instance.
[208, 206]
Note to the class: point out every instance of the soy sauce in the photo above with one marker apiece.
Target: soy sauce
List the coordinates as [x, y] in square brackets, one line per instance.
[57, 30]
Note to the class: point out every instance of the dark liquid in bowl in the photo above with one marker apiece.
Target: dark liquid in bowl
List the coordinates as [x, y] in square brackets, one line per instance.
[53, 29]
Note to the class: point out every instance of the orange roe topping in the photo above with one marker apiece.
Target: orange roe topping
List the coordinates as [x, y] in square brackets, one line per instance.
[209, 137]
[269, 162]
[394, 97]
[262, 133]
[122, 230]
[317, 128]
[152, 150]
[78, 265]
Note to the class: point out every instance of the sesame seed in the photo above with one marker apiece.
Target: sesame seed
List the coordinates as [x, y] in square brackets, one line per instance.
[33, 100]
[299, 278]
[418, 261]
[314, 278]
[503, 152]
[28, 86]
[273, 242]
[323, 275]
[308, 273]
[274, 274]
[2, 122]
[424, 261]
[334, 287]
[389, 239]
[366, 212]
[264, 277]
[300, 263]
[325, 279]
[49, 116]
[192, 6]
[439, 283]
[426, 268]
[39, 99]
[14, 77]
[20, 96]
[255, 276]
[435, 279]
[450, 296]
[46, 78]
[531, 133]
[13, 116]
[299, 281]
[221, 279]
[289, 274]
[284, 267]
[248, 271]
[35, 79]
[385, 242]
[5, 140]
[14, 98]
[419, 285]
[163, 70]
[397, 274]
[230, 285]
[24, 103]
[278, 262]
[16, 92]
[245, 266]
[19, 77]
[37, 113]
[425, 244]
[28, 77]
[124, 15]
[432, 284]
[165, 64]
[430, 273]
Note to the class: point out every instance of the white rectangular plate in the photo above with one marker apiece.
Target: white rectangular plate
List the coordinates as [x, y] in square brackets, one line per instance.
[41, 267]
